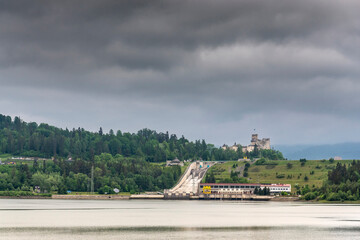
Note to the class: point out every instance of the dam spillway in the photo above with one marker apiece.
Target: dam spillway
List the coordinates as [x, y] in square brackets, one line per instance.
[188, 185]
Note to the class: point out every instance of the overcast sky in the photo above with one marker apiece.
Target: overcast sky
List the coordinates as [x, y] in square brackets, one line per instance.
[213, 70]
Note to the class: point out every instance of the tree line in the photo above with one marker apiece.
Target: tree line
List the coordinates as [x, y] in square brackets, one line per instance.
[127, 174]
[42, 140]
[343, 184]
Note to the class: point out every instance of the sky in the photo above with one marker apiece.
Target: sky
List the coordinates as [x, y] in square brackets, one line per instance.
[213, 70]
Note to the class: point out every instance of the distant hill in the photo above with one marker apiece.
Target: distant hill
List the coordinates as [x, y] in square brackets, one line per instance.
[326, 151]
[20, 138]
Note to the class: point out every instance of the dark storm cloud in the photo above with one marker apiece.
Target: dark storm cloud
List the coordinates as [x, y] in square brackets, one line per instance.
[153, 34]
[184, 64]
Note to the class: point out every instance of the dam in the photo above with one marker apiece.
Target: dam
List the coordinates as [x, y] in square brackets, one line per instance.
[188, 185]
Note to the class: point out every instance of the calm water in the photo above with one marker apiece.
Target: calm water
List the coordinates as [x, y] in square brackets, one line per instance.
[152, 219]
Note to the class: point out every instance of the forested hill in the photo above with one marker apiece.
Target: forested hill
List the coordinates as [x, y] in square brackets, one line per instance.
[42, 140]
[30, 139]
[120, 160]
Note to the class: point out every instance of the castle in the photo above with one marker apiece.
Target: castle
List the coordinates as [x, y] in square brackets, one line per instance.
[255, 141]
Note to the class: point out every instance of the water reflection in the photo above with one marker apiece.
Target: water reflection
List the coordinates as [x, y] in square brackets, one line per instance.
[256, 233]
[137, 219]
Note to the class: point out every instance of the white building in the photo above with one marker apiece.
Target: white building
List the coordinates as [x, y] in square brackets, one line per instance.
[230, 188]
[277, 188]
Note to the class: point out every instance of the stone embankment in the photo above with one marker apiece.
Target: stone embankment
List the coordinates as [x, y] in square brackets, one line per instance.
[249, 197]
[108, 197]
[25, 197]
[234, 197]
[285, 199]
[161, 196]
[92, 197]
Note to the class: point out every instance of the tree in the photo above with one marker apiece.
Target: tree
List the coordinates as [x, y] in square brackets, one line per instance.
[289, 165]
[111, 132]
[41, 180]
[210, 178]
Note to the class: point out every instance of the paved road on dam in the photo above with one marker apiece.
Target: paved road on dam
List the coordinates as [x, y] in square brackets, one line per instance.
[191, 179]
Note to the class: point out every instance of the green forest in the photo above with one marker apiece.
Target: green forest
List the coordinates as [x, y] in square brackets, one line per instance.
[343, 184]
[42, 140]
[127, 174]
[131, 162]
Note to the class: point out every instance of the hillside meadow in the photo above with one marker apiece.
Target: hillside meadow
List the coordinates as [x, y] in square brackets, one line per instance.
[312, 172]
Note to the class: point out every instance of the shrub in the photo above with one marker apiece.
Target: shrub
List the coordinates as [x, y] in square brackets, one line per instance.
[333, 197]
[280, 175]
[254, 169]
[310, 196]
[289, 165]
[269, 166]
[106, 190]
[305, 190]
[23, 193]
[261, 161]
[351, 198]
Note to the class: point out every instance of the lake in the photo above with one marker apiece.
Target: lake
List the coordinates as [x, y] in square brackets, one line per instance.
[161, 219]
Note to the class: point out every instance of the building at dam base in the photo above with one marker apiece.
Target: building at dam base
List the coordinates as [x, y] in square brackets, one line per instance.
[242, 188]
[189, 186]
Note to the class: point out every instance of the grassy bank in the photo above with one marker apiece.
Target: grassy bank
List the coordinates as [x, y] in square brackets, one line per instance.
[312, 173]
[222, 171]
[23, 194]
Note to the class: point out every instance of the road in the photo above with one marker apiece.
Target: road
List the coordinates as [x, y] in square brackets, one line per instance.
[192, 178]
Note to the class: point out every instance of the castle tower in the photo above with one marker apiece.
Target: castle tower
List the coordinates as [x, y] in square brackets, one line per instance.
[254, 138]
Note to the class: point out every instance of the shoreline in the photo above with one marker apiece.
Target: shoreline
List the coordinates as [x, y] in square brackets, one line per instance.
[139, 196]
[161, 197]
[25, 197]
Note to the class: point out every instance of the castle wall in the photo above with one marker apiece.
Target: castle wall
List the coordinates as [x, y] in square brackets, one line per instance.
[261, 144]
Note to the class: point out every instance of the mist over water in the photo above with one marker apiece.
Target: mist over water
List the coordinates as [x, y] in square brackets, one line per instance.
[156, 219]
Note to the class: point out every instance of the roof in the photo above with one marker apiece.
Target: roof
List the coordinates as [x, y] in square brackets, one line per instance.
[245, 184]
[229, 184]
[276, 185]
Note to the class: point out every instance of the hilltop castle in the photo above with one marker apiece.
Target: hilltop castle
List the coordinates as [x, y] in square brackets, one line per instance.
[255, 141]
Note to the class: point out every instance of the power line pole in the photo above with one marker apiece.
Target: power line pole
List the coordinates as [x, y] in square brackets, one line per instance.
[92, 179]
